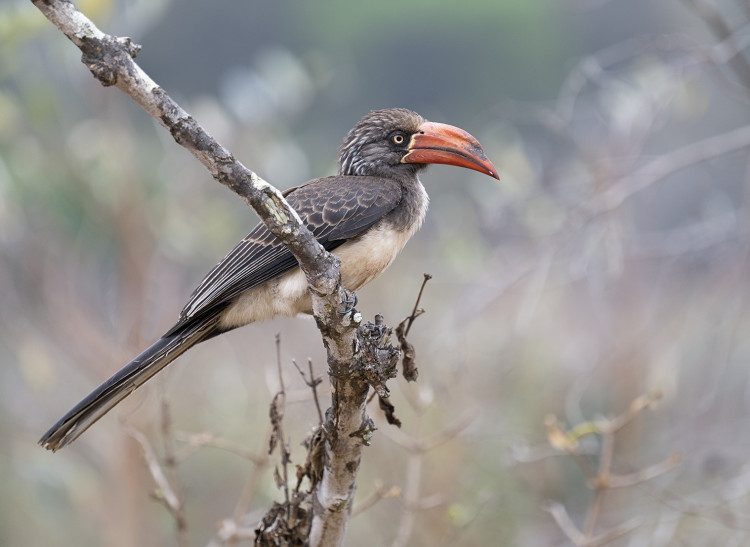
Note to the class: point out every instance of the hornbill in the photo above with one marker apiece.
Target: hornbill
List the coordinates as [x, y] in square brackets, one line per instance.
[365, 215]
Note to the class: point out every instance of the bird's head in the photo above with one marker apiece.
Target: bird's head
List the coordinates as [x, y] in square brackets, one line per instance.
[397, 142]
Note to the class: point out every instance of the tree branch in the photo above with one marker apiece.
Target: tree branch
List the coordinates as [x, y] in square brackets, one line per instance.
[110, 60]
[721, 29]
[667, 164]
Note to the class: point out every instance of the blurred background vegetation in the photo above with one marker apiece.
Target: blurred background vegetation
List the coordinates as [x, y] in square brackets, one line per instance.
[611, 261]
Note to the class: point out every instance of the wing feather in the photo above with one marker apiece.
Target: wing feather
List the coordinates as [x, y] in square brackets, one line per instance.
[333, 208]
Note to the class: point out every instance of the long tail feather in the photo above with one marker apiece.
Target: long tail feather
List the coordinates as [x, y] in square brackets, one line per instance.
[100, 401]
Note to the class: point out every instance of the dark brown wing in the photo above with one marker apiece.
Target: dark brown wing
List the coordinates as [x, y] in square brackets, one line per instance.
[334, 208]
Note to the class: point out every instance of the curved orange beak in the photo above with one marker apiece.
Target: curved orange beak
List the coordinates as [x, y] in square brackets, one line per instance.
[449, 145]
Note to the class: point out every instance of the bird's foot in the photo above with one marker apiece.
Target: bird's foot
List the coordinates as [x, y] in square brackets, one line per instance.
[378, 328]
[349, 300]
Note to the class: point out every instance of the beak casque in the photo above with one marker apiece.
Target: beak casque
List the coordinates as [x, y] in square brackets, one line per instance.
[449, 145]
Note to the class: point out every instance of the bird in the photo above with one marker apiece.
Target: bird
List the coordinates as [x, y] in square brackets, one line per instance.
[365, 215]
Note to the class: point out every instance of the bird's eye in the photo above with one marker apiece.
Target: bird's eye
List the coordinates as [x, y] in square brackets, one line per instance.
[398, 138]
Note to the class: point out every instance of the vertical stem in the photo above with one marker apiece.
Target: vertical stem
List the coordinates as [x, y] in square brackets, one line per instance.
[279, 425]
[334, 495]
[412, 488]
[602, 482]
[170, 463]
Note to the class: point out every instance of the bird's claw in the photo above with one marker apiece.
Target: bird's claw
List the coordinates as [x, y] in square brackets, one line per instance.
[379, 329]
[348, 301]
[376, 329]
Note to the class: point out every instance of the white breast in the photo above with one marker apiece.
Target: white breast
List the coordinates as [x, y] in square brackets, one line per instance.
[366, 257]
[286, 295]
[362, 260]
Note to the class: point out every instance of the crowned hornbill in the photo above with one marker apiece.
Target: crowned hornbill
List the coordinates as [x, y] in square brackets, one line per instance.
[365, 214]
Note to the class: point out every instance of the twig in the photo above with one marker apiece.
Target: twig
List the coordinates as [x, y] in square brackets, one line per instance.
[411, 493]
[601, 483]
[647, 474]
[165, 494]
[568, 442]
[668, 164]
[233, 529]
[602, 480]
[716, 512]
[563, 521]
[414, 313]
[170, 462]
[312, 383]
[380, 493]
[417, 445]
[277, 425]
[206, 438]
[614, 533]
[408, 355]
[248, 490]
[425, 444]
[230, 532]
[719, 26]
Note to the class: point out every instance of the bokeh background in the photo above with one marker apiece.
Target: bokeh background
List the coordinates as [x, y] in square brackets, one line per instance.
[611, 261]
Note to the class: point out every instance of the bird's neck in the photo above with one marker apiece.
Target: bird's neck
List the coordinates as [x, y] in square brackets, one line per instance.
[411, 211]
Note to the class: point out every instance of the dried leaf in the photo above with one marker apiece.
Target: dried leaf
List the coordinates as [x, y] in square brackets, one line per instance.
[389, 410]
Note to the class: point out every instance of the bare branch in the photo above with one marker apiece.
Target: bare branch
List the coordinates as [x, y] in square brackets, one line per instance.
[277, 411]
[644, 475]
[170, 463]
[558, 512]
[616, 532]
[425, 444]
[601, 480]
[408, 358]
[206, 438]
[110, 59]
[312, 383]
[380, 493]
[164, 493]
[723, 32]
[562, 519]
[414, 312]
[668, 164]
